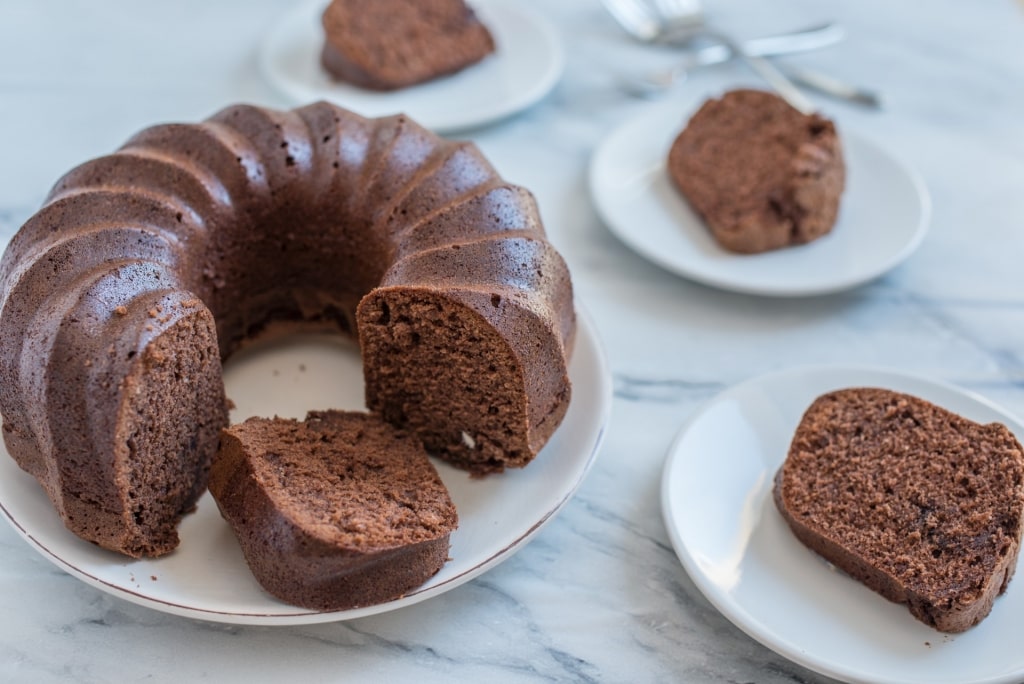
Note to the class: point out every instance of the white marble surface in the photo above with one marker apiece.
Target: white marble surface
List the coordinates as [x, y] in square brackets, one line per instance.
[598, 595]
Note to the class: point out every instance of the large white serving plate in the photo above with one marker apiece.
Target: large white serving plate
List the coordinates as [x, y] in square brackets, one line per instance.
[207, 578]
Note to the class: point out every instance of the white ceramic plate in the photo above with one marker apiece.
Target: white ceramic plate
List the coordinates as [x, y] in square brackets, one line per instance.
[718, 507]
[526, 65]
[207, 578]
[883, 215]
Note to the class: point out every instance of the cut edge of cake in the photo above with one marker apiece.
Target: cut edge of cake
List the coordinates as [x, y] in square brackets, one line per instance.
[814, 502]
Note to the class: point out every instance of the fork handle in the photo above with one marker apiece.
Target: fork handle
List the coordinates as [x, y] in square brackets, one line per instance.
[768, 71]
[823, 83]
[777, 80]
[804, 39]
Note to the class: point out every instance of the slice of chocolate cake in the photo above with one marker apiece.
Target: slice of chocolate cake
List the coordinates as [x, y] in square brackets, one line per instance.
[761, 174]
[335, 512]
[921, 505]
[390, 44]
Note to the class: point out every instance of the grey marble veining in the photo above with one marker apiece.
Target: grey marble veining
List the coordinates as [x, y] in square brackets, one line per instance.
[598, 595]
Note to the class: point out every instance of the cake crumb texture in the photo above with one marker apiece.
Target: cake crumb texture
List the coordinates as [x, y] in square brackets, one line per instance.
[392, 44]
[759, 173]
[335, 512]
[920, 504]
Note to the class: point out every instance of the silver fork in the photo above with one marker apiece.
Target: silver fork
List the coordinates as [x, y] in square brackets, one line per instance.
[643, 24]
[687, 16]
[678, 22]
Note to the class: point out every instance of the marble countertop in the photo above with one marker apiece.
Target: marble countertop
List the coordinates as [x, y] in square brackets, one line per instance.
[598, 595]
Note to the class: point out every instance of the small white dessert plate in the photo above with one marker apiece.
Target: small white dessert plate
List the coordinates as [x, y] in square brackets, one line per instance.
[207, 577]
[883, 217]
[526, 65]
[718, 507]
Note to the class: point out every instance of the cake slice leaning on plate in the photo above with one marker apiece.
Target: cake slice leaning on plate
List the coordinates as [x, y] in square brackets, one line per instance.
[336, 512]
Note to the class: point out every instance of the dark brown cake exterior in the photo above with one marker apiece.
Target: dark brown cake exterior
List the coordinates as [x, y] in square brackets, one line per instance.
[145, 268]
[760, 174]
[921, 505]
[391, 44]
[336, 512]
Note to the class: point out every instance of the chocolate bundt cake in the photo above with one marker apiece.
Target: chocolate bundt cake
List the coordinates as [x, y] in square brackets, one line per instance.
[391, 44]
[921, 505]
[336, 512]
[761, 174]
[146, 268]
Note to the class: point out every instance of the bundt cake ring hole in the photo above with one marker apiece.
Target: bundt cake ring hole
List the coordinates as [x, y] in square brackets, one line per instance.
[290, 375]
[258, 221]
